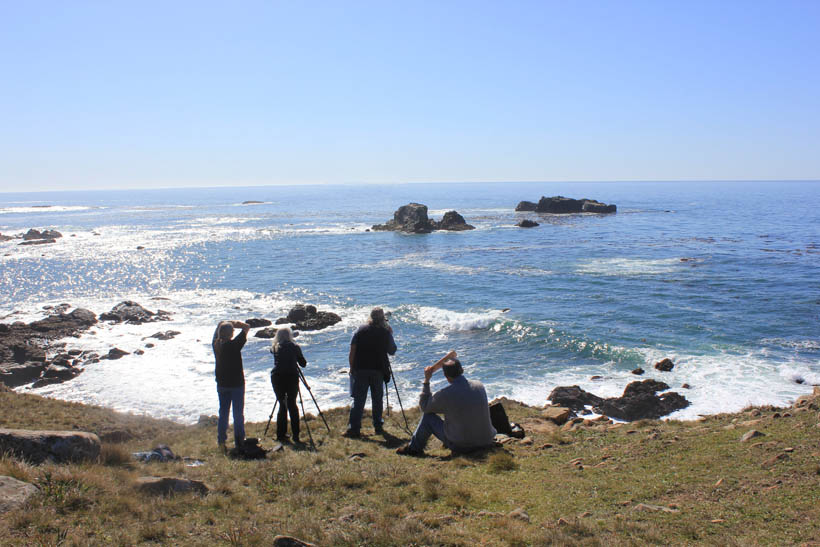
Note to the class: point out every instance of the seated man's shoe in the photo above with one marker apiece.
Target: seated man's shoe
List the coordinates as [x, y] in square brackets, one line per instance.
[407, 451]
[350, 434]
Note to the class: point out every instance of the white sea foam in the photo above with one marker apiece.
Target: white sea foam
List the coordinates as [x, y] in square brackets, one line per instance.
[448, 320]
[416, 260]
[628, 266]
[29, 209]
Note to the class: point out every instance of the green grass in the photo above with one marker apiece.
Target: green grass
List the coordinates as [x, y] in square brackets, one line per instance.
[578, 488]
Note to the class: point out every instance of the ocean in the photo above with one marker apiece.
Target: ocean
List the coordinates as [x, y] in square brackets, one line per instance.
[722, 278]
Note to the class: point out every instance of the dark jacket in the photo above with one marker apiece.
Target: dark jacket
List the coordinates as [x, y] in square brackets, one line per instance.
[228, 357]
[373, 344]
[285, 359]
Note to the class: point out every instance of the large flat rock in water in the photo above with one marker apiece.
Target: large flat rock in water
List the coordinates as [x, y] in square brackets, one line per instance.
[14, 493]
[56, 446]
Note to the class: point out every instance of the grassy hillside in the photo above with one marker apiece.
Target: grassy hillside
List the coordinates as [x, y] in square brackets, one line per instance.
[641, 483]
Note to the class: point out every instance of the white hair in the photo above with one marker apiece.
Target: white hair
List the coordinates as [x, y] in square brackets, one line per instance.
[282, 335]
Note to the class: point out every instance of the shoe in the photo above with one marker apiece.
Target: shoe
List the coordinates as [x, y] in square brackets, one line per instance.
[407, 451]
[379, 430]
[283, 440]
[350, 434]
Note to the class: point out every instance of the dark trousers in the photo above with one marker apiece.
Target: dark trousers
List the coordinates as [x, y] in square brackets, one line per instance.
[286, 388]
[360, 382]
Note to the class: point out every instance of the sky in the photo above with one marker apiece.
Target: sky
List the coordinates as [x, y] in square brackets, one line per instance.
[174, 94]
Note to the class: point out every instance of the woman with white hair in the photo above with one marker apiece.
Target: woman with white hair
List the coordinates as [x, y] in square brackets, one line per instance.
[287, 357]
[230, 379]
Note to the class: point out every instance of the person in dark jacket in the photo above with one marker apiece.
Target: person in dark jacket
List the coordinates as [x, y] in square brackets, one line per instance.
[230, 379]
[284, 377]
[369, 369]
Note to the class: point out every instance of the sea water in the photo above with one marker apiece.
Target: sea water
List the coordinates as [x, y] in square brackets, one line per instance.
[720, 277]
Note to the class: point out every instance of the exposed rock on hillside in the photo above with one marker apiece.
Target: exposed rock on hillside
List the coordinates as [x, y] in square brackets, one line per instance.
[56, 446]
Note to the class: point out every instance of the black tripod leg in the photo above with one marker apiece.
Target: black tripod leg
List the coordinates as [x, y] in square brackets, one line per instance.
[406, 425]
[302, 377]
[265, 434]
[305, 420]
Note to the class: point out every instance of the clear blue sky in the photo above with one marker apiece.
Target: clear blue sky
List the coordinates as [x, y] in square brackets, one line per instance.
[147, 94]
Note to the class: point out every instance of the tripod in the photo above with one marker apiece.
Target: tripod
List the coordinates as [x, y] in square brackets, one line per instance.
[406, 425]
[273, 411]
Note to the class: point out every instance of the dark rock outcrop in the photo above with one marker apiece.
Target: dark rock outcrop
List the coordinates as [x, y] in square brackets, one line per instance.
[665, 365]
[33, 234]
[308, 318]
[526, 206]
[453, 222]
[56, 446]
[23, 347]
[560, 205]
[167, 335]
[412, 218]
[255, 323]
[132, 313]
[573, 397]
[267, 332]
[5, 238]
[115, 353]
[38, 242]
[527, 223]
[640, 401]
[638, 371]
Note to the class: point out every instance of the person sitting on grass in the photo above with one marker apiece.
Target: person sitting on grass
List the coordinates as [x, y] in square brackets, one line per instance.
[466, 425]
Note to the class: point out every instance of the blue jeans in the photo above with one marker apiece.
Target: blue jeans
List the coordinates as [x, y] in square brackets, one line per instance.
[231, 396]
[361, 380]
[430, 424]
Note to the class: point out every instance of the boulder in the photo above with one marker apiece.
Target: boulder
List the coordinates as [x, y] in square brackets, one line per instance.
[255, 323]
[452, 221]
[14, 493]
[751, 434]
[410, 218]
[526, 206]
[33, 234]
[57, 446]
[640, 401]
[20, 374]
[167, 335]
[593, 206]
[527, 223]
[573, 397]
[557, 414]
[56, 374]
[168, 486]
[307, 318]
[114, 354]
[5, 238]
[38, 242]
[132, 313]
[665, 365]
[268, 332]
[290, 541]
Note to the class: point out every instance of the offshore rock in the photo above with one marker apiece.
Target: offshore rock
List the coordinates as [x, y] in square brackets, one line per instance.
[525, 206]
[5, 238]
[268, 332]
[307, 318]
[167, 335]
[665, 365]
[255, 323]
[640, 401]
[527, 223]
[57, 446]
[412, 218]
[560, 205]
[452, 221]
[33, 234]
[132, 313]
[38, 242]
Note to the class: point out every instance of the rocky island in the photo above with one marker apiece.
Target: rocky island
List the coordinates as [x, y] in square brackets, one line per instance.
[412, 218]
[560, 205]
